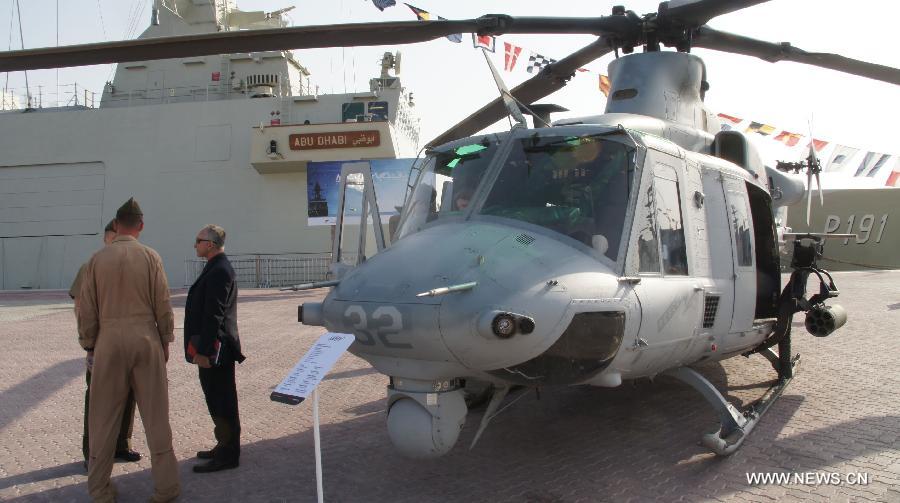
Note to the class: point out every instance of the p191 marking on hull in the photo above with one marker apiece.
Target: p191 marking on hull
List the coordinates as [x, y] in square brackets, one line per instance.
[863, 229]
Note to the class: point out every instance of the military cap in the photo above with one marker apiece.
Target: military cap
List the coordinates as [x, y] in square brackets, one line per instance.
[129, 208]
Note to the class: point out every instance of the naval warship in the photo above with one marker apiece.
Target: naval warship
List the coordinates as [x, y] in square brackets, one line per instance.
[220, 139]
[872, 214]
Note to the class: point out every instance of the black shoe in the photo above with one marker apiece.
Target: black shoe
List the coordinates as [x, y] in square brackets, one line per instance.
[206, 454]
[215, 465]
[128, 456]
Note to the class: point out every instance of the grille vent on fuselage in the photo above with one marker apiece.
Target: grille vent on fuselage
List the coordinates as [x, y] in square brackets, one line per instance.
[709, 310]
[524, 239]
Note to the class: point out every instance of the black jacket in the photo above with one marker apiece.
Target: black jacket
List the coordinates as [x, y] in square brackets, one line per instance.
[211, 310]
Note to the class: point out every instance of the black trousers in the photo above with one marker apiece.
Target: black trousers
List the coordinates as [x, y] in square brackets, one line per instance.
[221, 399]
[123, 442]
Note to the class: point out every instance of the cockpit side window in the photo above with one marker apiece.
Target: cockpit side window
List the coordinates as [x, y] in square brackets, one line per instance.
[578, 186]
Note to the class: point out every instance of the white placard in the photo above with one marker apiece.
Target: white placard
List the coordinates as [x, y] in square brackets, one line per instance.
[310, 370]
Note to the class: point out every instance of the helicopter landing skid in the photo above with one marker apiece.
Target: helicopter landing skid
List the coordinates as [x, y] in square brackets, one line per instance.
[735, 424]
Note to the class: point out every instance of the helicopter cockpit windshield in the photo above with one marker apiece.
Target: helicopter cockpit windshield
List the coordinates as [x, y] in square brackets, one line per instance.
[578, 186]
[575, 185]
[447, 184]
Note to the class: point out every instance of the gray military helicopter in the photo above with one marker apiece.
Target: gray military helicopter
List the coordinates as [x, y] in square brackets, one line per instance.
[602, 249]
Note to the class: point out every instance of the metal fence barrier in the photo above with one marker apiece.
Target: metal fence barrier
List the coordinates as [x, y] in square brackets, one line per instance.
[268, 271]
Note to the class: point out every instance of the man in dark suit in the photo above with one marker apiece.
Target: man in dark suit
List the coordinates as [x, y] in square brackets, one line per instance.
[211, 342]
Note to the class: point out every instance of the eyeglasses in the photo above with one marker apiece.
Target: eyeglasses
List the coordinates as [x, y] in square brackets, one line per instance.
[198, 241]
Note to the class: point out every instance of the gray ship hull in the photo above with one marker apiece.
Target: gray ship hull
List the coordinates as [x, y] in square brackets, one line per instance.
[872, 214]
[64, 173]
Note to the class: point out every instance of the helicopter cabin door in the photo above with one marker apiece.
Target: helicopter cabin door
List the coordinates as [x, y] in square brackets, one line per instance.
[737, 211]
[667, 291]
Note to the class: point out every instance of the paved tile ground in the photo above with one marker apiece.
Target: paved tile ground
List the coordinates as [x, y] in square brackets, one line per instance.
[634, 443]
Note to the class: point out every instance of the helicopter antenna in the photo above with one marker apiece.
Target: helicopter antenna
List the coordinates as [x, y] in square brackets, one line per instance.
[512, 109]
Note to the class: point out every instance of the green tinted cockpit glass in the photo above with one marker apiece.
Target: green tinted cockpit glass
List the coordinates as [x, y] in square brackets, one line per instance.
[464, 151]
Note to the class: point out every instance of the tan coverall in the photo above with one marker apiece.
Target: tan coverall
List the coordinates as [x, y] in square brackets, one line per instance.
[126, 317]
[123, 442]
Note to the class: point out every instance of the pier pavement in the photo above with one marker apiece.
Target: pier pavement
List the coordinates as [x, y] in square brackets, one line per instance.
[638, 442]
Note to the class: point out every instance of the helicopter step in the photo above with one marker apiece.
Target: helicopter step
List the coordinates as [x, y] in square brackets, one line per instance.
[735, 425]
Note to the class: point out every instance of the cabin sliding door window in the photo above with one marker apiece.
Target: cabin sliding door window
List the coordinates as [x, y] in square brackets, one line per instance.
[740, 226]
[648, 243]
[670, 222]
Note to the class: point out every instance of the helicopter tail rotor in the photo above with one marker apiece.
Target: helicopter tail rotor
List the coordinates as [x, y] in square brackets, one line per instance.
[813, 170]
[809, 178]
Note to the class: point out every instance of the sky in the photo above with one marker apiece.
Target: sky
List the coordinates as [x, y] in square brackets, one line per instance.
[449, 81]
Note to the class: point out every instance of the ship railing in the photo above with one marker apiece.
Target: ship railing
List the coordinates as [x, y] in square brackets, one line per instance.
[179, 94]
[270, 271]
[40, 96]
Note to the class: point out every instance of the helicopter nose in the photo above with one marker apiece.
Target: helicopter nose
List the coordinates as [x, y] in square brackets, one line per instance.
[516, 302]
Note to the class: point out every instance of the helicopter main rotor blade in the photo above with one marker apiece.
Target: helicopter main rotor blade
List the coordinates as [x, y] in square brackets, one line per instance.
[551, 79]
[303, 37]
[699, 12]
[709, 38]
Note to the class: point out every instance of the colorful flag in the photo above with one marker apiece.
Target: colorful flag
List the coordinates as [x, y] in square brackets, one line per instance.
[760, 128]
[485, 42]
[456, 38]
[893, 179]
[538, 62]
[730, 118]
[788, 138]
[384, 4]
[604, 85]
[818, 144]
[840, 158]
[881, 162]
[510, 56]
[864, 165]
[424, 15]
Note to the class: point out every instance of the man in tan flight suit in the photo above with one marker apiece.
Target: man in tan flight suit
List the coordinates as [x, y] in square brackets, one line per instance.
[125, 318]
[123, 442]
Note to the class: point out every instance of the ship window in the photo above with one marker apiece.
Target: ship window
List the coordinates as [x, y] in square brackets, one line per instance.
[578, 186]
[349, 111]
[378, 110]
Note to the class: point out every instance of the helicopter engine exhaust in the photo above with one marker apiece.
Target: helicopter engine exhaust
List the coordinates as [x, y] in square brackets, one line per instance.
[822, 320]
[425, 418]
